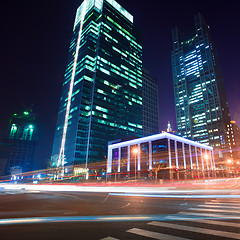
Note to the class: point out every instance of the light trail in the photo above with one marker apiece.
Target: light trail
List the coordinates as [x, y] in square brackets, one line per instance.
[173, 196]
[128, 191]
[106, 218]
[146, 192]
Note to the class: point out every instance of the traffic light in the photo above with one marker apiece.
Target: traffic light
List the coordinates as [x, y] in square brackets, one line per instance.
[176, 169]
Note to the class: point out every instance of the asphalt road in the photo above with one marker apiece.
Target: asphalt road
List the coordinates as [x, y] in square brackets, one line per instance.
[34, 214]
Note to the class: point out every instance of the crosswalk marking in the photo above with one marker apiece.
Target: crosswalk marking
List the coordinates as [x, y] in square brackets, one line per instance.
[205, 213]
[214, 210]
[211, 215]
[230, 201]
[218, 206]
[220, 223]
[154, 235]
[109, 238]
[222, 204]
[196, 230]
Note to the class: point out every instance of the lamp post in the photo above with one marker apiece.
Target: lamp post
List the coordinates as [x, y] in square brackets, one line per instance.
[135, 151]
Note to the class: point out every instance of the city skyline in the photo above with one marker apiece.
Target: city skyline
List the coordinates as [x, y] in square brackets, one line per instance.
[35, 58]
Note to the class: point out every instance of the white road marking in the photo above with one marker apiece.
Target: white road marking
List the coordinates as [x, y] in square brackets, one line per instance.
[230, 201]
[214, 210]
[124, 206]
[218, 206]
[154, 235]
[196, 230]
[220, 223]
[222, 204]
[211, 215]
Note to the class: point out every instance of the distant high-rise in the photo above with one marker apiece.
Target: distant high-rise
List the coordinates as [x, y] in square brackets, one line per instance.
[233, 142]
[20, 146]
[150, 104]
[200, 100]
[102, 92]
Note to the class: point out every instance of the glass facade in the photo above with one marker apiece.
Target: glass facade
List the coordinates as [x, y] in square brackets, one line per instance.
[201, 106]
[21, 143]
[150, 104]
[102, 92]
[176, 157]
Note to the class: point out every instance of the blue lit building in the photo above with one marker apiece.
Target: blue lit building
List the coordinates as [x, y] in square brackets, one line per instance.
[201, 106]
[102, 91]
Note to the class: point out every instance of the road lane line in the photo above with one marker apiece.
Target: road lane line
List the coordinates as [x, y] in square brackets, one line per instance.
[214, 210]
[154, 235]
[106, 198]
[196, 230]
[124, 206]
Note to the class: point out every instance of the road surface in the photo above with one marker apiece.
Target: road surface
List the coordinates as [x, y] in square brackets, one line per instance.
[209, 211]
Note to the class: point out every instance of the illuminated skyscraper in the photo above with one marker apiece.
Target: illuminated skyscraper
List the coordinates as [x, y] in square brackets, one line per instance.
[102, 92]
[150, 104]
[20, 146]
[201, 105]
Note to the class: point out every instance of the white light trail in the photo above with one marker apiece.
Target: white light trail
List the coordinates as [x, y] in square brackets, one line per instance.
[124, 191]
[114, 218]
[61, 154]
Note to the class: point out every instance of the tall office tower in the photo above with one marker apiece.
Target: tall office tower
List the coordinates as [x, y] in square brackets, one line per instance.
[102, 92]
[21, 142]
[233, 142]
[4, 153]
[150, 104]
[201, 105]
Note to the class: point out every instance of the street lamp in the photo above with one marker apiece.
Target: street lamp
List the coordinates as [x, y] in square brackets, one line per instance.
[206, 156]
[135, 151]
[229, 161]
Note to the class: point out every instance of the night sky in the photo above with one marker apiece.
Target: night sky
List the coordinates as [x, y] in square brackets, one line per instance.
[35, 37]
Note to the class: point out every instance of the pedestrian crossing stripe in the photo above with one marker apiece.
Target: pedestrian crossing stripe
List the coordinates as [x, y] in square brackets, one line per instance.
[211, 215]
[230, 201]
[154, 235]
[222, 204]
[218, 223]
[109, 238]
[196, 230]
[214, 210]
[219, 206]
